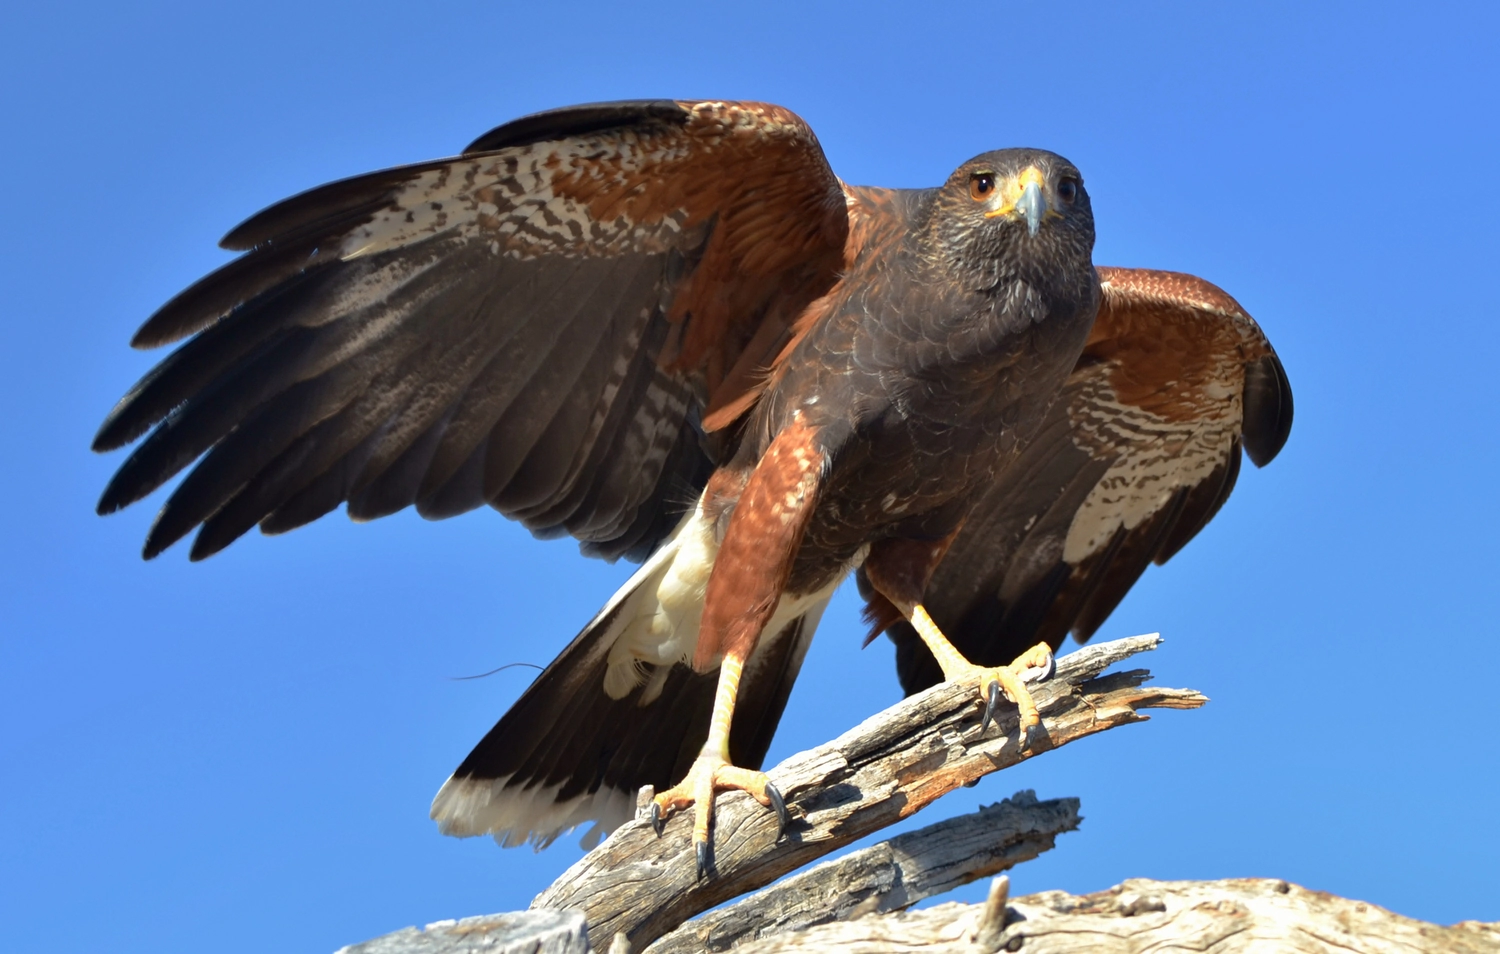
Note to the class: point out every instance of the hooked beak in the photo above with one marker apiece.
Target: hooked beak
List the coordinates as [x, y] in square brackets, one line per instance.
[1032, 205]
[1024, 197]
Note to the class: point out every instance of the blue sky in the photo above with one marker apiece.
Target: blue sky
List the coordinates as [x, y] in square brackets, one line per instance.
[245, 749]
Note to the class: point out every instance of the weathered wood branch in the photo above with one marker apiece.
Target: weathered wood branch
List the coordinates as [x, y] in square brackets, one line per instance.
[885, 769]
[1139, 916]
[517, 932]
[635, 887]
[890, 876]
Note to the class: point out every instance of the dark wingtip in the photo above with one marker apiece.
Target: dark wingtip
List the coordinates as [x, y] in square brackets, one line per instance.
[108, 437]
[205, 545]
[152, 548]
[577, 121]
[1268, 410]
[121, 491]
[123, 424]
[167, 529]
[177, 319]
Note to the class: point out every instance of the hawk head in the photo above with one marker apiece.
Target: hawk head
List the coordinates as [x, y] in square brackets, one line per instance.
[1015, 215]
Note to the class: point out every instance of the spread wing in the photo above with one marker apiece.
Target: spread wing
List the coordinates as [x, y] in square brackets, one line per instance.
[1138, 453]
[538, 324]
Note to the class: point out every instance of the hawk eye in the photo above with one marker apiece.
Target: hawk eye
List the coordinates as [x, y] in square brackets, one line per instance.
[1067, 190]
[981, 185]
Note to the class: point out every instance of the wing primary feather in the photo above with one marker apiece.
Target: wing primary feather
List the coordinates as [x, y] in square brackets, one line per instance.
[193, 428]
[578, 121]
[216, 294]
[443, 361]
[245, 335]
[327, 210]
[185, 372]
[236, 459]
[1268, 409]
[278, 482]
[348, 349]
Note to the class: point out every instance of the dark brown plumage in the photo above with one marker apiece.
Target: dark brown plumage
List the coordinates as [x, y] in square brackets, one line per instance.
[1140, 450]
[597, 315]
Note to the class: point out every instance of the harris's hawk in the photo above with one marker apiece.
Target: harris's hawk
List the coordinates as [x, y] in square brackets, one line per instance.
[669, 330]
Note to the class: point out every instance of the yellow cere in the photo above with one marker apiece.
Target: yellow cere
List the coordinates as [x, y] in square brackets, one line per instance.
[1014, 186]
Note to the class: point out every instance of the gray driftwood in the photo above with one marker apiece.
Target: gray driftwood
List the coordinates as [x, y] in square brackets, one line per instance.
[1212, 917]
[519, 932]
[890, 876]
[885, 769]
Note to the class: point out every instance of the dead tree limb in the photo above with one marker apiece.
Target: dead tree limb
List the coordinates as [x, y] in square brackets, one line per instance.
[885, 769]
[890, 876]
[518, 932]
[1138, 916]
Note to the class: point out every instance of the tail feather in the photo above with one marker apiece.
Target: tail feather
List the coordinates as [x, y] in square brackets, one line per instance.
[567, 754]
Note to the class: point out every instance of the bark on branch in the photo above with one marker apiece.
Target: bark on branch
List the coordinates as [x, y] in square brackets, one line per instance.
[883, 770]
[890, 876]
[1139, 916]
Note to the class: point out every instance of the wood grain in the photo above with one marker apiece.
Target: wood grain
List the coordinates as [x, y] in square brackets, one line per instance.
[1210, 917]
[890, 876]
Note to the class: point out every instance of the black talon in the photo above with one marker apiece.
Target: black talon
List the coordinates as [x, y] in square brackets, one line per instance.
[990, 707]
[700, 848]
[779, 804]
[1033, 737]
[658, 823]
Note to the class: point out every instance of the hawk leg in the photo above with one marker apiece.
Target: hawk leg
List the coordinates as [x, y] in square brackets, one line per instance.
[899, 570]
[1034, 665]
[744, 590]
[712, 771]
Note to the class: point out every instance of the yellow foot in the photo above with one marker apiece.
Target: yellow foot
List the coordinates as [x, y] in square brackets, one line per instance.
[709, 774]
[1034, 665]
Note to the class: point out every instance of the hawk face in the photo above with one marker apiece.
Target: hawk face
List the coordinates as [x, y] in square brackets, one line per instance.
[1016, 215]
